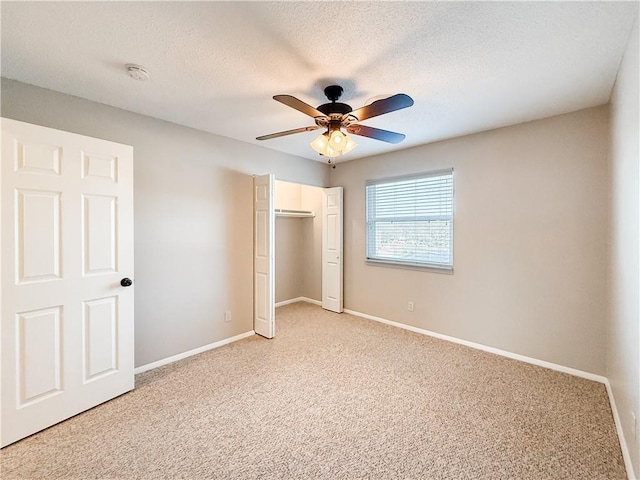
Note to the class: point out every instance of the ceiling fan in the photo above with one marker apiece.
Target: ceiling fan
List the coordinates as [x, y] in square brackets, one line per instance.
[335, 116]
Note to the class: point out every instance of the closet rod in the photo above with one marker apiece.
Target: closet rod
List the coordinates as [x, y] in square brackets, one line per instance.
[281, 212]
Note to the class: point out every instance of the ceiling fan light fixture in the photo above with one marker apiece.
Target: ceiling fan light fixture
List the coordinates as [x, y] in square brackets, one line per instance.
[333, 144]
[337, 140]
[330, 152]
[321, 143]
[350, 145]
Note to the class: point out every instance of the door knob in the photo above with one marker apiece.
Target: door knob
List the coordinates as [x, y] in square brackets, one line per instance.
[126, 282]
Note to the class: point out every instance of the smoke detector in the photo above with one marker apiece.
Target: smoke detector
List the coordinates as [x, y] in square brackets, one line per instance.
[137, 72]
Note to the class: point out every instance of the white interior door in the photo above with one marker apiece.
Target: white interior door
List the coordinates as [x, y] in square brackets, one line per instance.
[264, 256]
[332, 249]
[66, 243]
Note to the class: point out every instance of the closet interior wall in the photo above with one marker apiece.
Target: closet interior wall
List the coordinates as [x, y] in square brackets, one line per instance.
[298, 242]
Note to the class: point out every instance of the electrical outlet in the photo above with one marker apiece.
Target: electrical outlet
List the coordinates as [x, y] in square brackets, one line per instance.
[227, 316]
[410, 306]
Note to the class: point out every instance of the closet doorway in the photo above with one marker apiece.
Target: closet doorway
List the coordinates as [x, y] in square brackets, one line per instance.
[297, 248]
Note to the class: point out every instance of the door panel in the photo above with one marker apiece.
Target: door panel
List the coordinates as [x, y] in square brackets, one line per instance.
[99, 223]
[38, 227]
[39, 354]
[103, 167]
[332, 249]
[264, 256]
[67, 240]
[100, 337]
[37, 158]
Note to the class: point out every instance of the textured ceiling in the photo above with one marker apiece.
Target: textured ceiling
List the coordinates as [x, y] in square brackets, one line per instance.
[469, 66]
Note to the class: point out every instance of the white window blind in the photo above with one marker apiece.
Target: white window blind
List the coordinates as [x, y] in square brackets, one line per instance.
[410, 220]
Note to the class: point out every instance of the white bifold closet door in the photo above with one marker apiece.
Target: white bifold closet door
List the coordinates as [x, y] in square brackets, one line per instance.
[66, 246]
[332, 249]
[264, 256]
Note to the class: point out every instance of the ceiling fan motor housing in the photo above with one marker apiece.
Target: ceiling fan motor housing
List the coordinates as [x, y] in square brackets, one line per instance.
[329, 108]
[333, 93]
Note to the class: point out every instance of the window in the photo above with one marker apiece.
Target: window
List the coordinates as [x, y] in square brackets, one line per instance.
[410, 220]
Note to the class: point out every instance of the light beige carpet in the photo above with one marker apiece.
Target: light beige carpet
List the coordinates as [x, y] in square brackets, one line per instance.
[336, 397]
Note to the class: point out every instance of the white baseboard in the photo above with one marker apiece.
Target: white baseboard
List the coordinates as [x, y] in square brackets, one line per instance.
[623, 443]
[311, 300]
[195, 351]
[478, 346]
[287, 302]
[298, 299]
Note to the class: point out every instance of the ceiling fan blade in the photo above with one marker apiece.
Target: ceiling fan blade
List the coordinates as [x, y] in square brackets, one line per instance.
[288, 132]
[386, 105]
[377, 133]
[299, 105]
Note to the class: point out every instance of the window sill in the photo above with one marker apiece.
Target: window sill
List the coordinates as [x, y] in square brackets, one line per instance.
[410, 266]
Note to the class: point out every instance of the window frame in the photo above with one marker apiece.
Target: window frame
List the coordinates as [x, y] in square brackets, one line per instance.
[434, 267]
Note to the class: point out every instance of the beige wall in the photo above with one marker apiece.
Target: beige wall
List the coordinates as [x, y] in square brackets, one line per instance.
[530, 248]
[311, 199]
[289, 242]
[287, 195]
[193, 216]
[623, 355]
[289, 256]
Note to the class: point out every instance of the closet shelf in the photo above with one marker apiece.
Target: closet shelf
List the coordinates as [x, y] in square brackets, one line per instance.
[281, 212]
